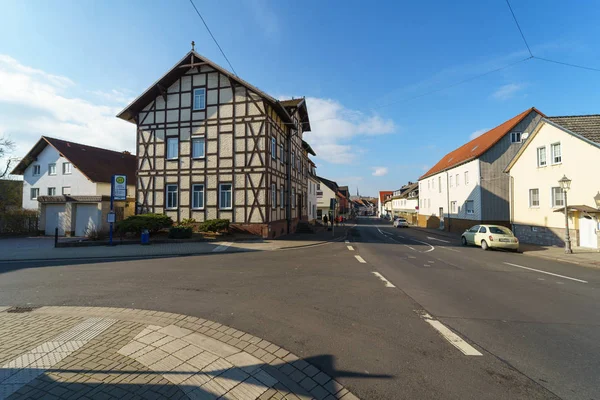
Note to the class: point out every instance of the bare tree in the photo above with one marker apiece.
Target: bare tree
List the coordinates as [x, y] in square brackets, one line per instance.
[6, 146]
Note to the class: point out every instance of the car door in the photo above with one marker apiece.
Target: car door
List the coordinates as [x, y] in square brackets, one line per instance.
[470, 234]
[480, 235]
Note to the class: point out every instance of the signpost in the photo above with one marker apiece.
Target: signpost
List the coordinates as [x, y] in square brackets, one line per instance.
[118, 191]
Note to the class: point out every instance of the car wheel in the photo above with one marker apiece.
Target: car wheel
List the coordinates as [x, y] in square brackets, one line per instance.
[484, 245]
[463, 240]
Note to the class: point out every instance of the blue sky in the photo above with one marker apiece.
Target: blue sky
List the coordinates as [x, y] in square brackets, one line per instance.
[67, 67]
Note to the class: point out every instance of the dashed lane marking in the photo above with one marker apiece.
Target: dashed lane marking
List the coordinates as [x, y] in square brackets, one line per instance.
[350, 248]
[222, 247]
[546, 272]
[384, 280]
[360, 259]
[451, 337]
[440, 240]
[448, 248]
[412, 248]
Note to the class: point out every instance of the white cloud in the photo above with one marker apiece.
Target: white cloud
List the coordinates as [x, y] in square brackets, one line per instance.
[263, 14]
[37, 103]
[478, 133]
[114, 96]
[333, 126]
[379, 171]
[508, 91]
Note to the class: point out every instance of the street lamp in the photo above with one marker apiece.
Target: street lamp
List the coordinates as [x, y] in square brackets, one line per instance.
[565, 184]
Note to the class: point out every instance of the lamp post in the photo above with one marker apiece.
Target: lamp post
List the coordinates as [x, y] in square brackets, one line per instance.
[565, 184]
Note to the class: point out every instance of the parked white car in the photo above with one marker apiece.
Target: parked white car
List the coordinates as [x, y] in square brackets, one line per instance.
[400, 223]
[490, 236]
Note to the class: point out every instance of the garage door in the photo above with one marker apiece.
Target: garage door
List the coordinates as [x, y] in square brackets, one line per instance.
[587, 232]
[55, 217]
[87, 217]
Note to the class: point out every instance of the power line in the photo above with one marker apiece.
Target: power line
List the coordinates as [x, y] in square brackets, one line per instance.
[567, 64]
[518, 26]
[213, 37]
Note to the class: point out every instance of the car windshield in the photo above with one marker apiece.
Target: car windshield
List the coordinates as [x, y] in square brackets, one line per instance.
[500, 230]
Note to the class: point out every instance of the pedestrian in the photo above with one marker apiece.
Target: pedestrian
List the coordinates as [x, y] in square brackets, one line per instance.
[325, 221]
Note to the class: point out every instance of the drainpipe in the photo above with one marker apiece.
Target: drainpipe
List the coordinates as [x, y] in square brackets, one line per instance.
[448, 199]
[288, 172]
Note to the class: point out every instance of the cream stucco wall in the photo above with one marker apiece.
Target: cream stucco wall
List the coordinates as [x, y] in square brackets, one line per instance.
[579, 163]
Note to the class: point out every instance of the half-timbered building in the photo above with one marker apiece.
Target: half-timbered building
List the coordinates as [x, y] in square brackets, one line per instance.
[210, 145]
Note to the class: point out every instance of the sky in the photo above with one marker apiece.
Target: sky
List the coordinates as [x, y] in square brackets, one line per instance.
[375, 75]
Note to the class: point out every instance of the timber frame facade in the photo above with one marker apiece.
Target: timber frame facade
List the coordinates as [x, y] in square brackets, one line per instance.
[210, 145]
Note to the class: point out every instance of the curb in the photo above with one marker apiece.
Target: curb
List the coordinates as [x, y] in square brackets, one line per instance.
[295, 376]
[580, 263]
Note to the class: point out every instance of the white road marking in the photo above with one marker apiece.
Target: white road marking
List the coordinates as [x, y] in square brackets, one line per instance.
[441, 240]
[360, 259]
[448, 248]
[347, 241]
[387, 283]
[451, 337]
[546, 272]
[350, 248]
[426, 265]
[222, 247]
[426, 251]
[412, 248]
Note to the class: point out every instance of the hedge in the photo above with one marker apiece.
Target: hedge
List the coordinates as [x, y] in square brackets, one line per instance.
[180, 232]
[137, 223]
[214, 225]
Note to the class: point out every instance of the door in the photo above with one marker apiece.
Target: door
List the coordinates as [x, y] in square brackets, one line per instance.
[479, 236]
[55, 218]
[470, 234]
[441, 218]
[587, 232]
[87, 218]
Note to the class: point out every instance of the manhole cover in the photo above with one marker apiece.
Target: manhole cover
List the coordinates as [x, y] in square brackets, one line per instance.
[20, 309]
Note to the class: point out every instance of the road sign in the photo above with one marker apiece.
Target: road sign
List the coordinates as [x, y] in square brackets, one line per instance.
[111, 217]
[119, 187]
[332, 203]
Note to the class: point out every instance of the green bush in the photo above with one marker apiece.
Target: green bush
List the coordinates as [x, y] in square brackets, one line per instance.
[180, 232]
[137, 223]
[214, 225]
[188, 222]
[18, 222]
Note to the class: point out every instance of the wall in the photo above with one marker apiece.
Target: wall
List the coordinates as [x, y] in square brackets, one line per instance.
[103, 188]
[578, 160]
[494, 181]
[312, 198]
[79, 183]
[323, 201]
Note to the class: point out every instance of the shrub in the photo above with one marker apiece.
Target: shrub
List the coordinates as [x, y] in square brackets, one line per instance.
[94, 234]
[180, 232]
[137, 223]
[188, 222]
[214, 225]
[19, 222]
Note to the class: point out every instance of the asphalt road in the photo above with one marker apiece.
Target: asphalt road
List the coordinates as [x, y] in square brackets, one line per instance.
[537, 338]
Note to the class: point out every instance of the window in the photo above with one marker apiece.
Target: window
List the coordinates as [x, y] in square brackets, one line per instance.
[66, 168]
[470, 207]
[453, 207]
[556, 153]
[199, 99]
[225, 196]
[558, 200]
[293, 159]
[36, 170]
[66, 190]
[293, 198]
[541, 156]
[534, 197]
[451, 181]
[198, 145]
[34, 193]
[274, 148]
[273, 196]
[440, 184]
[482, 230]
[432, 183]
[198, 196]
[515, 137]
[51, 191]
[281, 156]
[172, 148]
[474, 229]
[428, 185]
[171, 197]
[52, 169]
[281, 197]
[466, 178]
[457, 179]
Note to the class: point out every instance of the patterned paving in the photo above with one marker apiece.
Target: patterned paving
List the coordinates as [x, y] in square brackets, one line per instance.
[84, 352]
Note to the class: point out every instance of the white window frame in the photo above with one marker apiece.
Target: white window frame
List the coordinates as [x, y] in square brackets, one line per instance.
[195, 105]
[531, 191]
[281, 197]
[169, 141]
[539, 161]
[553, 198]
[273, 196]
[472, 210]
[68, 189]
[67, 168]
[37, 170]
[451, 180]
[439, 184]
[230, 191]
[52, 169]
[174, 194]
[453, 207]
[201, 140]
[553, 155]
[516, 137]
[293, 160]
[53, 191]
[281, 154]
[466, 178]
[34, 193]
[457, 180]
[195, 190]
[274, 148]
[293, 198]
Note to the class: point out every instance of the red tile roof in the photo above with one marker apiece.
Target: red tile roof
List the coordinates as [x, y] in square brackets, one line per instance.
[476, 147]
[383, 194]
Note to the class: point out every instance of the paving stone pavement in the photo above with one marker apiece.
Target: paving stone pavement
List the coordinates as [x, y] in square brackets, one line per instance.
[106, 353]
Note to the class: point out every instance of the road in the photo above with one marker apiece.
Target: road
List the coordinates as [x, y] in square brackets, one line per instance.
[538, 334]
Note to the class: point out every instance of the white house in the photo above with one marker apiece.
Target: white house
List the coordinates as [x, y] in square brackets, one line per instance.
[468, 186]
[313, 183]
[381, 200]
[558, 146]
[326, 190]
[69, 183]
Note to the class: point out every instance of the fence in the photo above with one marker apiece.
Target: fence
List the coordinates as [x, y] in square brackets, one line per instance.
[18, 222]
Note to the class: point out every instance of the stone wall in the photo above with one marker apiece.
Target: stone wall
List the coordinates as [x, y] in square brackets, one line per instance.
[544, 236]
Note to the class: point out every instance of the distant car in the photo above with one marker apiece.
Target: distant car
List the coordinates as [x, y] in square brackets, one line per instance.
[400, 223]
[490, 236]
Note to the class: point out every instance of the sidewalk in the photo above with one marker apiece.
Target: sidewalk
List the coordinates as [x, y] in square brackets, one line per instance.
[43, 249]
[581, 256]
[87, 352]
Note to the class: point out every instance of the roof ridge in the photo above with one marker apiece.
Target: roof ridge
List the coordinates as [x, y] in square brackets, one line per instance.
[87, 145]
[575, 116]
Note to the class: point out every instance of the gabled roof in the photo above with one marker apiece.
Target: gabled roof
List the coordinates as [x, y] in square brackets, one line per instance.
[298, 104]
[384, 193]
[587, 126]
[330, 184]
[178, 70]
[476, 147]
[98, 165]
[408, 189]
[308, 149]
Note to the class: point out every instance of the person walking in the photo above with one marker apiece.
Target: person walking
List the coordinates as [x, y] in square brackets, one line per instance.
[325, 221]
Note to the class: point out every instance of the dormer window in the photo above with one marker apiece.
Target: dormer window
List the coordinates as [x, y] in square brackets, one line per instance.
[515, 137]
